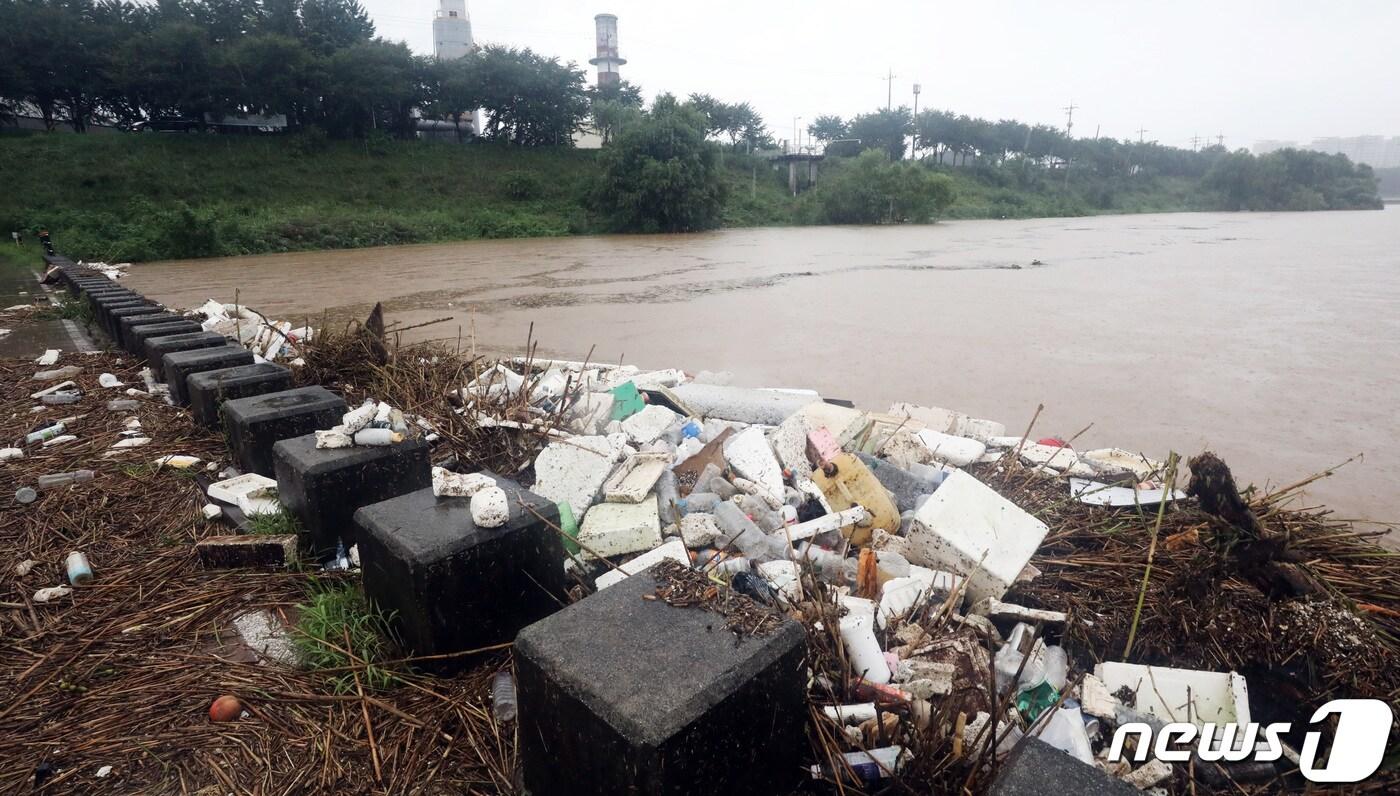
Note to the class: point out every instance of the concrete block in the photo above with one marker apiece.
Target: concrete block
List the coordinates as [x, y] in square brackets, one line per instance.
[1035, 768]
[742, 404]
[967, 529]
[614, 529]
[180, 365]
[148, 311]
[619, 694]
[749, 454]
[126, 324]
[323, 488]
[634, 478]
[451, 585]
[572, 471]
[646, 425]
[210, 389]
[247, 550]
[674, 550]
[906, 486]
[158, 347]
[253, 425]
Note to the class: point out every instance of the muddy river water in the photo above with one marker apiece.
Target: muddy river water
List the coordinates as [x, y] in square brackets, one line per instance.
[1273, 339]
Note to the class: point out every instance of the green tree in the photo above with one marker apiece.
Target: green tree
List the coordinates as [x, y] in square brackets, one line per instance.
[274, 73]
[872, 190]
[828, 128]
[330, 26]
[373, 85]
[529, 99]
[885, 129]
[661, 174]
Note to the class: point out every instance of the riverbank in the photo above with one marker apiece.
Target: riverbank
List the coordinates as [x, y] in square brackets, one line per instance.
[152, 197]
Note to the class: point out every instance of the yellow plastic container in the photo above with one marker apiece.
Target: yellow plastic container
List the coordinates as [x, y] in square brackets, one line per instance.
[852, 484]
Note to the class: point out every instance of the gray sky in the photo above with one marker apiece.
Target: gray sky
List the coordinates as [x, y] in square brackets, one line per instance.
[1247, 69]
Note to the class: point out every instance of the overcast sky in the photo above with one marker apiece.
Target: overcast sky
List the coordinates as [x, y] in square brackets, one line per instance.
[1247, 69]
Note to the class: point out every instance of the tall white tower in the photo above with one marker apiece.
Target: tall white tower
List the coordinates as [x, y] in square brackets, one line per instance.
[607, 60]
[452, 30]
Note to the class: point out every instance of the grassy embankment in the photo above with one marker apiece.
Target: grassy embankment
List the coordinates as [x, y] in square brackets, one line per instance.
[127, 197]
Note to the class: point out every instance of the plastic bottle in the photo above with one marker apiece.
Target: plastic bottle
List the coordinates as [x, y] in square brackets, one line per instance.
[701, 502]
[123, 405]
[503, 696]
[765, 518]
[59, 479]
[44, 434]
[721, 487]
[79, 570]
[67, 372]
[742, 533]
[862, 648]
[1065, 731]
[870, 767]
[61, 398]
[26, 495]
[667, 498]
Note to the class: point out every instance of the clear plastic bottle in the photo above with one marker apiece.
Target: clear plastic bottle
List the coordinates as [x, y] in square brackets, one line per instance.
[44, 434]
[701, 502]
[765, 518]
[60, 479]
[741, 531]
[668, 499]
[61, 398]
[721, 487]
[503, 696]
[123, 405]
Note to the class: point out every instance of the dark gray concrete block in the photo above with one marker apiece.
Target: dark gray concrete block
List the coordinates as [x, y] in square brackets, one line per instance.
[103, 312]
[324, 488]
[620, 694]
[253, 425]
[452, 586]
[158, 347]
[906, 486]
[180, 365]
[209, 390]
[1035, 768]
[137, 335]
[114, 318]
[125, 324]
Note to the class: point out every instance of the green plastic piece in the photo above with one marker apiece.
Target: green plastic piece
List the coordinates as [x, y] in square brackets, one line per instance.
[1034, 701]
[569, 526]
[626, 401]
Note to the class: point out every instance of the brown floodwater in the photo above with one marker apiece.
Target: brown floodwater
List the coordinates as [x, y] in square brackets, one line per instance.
[1273, 339]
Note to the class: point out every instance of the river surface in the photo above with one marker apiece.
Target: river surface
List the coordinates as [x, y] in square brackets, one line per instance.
[1273, 339]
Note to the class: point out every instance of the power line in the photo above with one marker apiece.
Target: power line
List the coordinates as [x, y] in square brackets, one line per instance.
[1142, 131]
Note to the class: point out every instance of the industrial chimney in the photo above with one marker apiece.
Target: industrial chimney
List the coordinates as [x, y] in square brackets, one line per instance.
[452, 30]
[608, 60]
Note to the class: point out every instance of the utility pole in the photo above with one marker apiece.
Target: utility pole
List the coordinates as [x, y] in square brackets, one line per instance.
[889, 89]
[918, 89]
[1220, 140]
[795, 120]
[1069, 118]
[1142, 131]
[1195, 142]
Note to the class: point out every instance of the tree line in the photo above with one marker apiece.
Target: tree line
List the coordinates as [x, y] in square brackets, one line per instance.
[319, 62]
[1289, 179]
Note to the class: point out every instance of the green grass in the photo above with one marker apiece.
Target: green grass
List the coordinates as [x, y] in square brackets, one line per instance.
[333, 612]
[276, 523]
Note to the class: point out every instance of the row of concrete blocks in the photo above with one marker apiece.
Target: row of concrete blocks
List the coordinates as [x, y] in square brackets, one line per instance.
[616, 693]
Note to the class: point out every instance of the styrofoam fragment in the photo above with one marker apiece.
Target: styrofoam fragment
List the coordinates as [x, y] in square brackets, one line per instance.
[49, 357]
[784, 577]
[211, 511]
[228, 490]
[1048, 456]
[967, 529]
[1149, 774]
[997, 609]
[133, 442]
[751, 457]
[1095, 698]
[957, 451]
[356, 419]
[574, 470]
[259, 501]
[1200, 697]
[648, 424]
[110, 381]
[330, 440]
[1109, 460]
[449, 484]
[490, 507]
[673, 550]
[764, 407]
[613, 529]
[635, 477]
[699, 530]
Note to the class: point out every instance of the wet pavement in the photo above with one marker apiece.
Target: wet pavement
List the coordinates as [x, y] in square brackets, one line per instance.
[32, 338]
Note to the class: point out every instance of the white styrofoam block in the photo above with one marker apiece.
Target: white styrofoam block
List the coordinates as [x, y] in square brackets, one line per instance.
[1004, 442]
[674, 550]
[967, 529]
[1048, 456]
[957, 451]
[1109, 460]
[259, 501]
[764, 407]
[648, 424]
[1189, 695]
[981, 430]
[574, 470]
[749, 454]
[228, 491]
[784, 577]
[635, 477]
[614, 529]
[449, 484]
[789, 442]
[944, 421]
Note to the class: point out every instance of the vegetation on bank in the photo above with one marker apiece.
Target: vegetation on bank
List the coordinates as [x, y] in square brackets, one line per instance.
[120, 197]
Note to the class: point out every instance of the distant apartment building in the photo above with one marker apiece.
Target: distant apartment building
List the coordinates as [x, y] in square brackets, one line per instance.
[1375, 150]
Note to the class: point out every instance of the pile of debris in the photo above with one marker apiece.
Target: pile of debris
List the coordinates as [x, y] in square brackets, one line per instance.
[270, 341]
